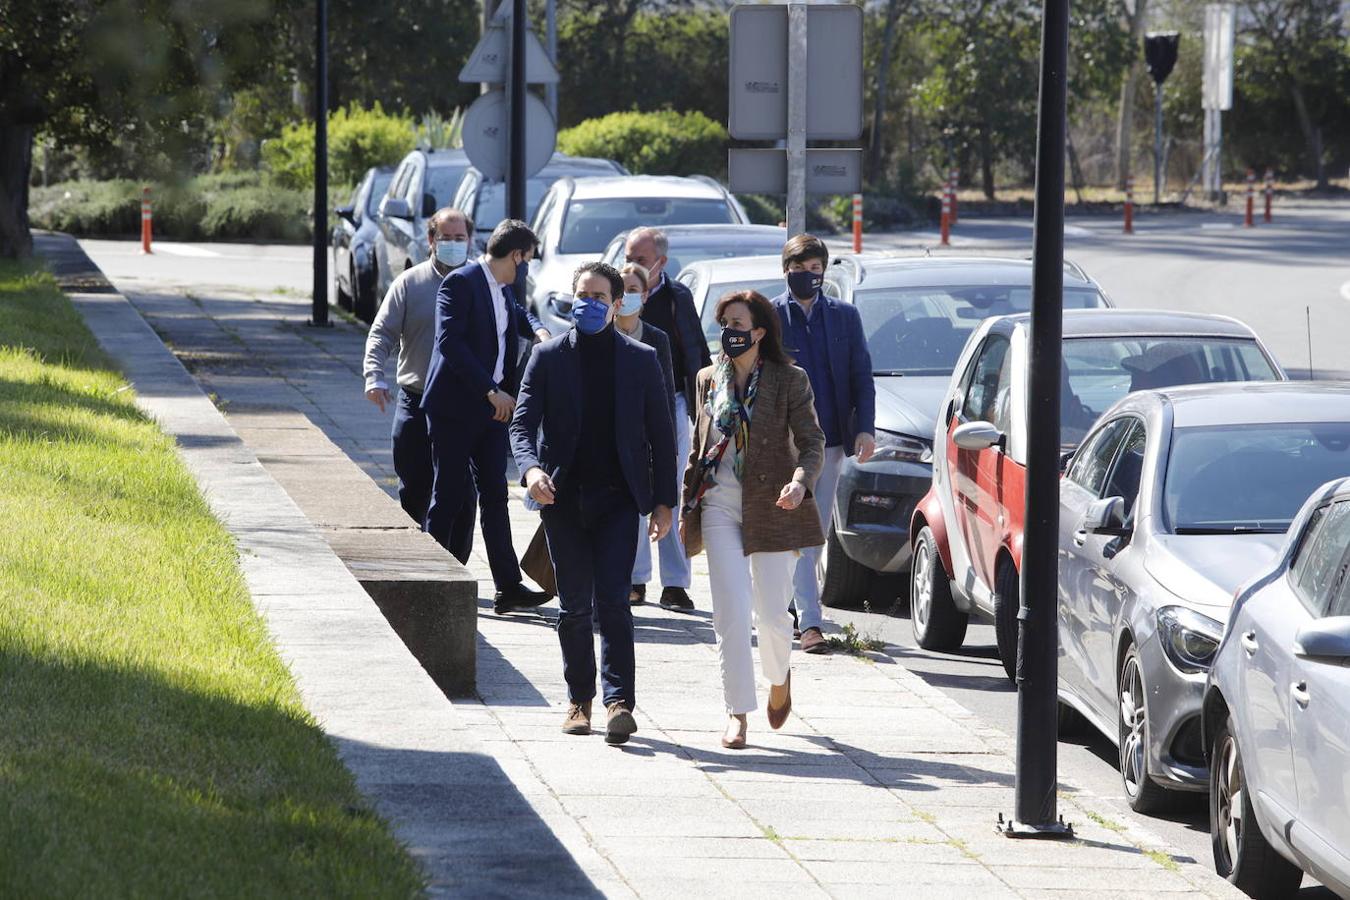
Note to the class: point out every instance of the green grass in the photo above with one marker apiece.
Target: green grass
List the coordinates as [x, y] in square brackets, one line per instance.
[151, 741]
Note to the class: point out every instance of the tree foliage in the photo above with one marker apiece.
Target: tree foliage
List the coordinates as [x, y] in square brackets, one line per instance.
[656, 143]
[357, 139]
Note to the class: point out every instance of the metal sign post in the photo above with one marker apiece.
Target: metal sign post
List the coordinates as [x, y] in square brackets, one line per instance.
[515, 184]
[1217, 90]
[1160, 51]
[795, 207]
[1034, 813]
[319, 301]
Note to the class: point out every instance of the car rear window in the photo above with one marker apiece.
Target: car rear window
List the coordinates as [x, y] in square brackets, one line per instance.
[490, 207]
[589, 225]
[378, 185]
[442, 182]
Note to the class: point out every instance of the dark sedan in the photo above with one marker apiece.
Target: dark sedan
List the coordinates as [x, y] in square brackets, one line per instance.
[354, 243]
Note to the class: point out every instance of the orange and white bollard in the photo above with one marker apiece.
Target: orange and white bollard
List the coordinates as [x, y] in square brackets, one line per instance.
[1270, 190]
[1129, 206]
[946, 226]
[1250, 220]
[145, 220]
[952, 178]
[857, 223]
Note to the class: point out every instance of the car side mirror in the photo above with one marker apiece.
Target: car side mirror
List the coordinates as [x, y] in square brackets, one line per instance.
[977, 436]
[1324, 640]
[1106, 516]
[1064, 459]
[396, 208]
[560, 304]
[347, 212]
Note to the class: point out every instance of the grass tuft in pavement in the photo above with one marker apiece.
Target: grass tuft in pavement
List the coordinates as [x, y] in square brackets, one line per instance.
[152, 741]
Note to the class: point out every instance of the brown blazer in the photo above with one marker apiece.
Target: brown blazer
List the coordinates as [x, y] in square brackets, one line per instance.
[786, 444]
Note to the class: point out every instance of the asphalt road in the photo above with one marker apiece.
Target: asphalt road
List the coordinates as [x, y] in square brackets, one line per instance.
[1290, 281]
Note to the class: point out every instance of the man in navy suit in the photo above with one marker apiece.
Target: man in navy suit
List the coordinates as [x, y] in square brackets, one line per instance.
[826, 338]
[592, 426]
[469, 399]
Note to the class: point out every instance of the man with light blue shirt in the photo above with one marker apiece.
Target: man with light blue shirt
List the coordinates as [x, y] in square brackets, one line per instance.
[826, 339]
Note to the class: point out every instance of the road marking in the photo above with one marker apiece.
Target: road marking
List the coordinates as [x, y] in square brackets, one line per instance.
[1218, 226]
[1345, 290]
[1078, 231]
[182, 249]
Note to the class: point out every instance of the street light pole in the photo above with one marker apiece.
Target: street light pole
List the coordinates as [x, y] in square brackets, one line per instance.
[515, 183]
[319, 309]
[1034, 813]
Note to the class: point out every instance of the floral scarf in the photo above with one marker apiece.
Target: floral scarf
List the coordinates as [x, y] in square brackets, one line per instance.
[731, 414]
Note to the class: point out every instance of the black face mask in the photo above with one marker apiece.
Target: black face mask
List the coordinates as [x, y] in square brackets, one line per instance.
[735, 342]
[804, 284]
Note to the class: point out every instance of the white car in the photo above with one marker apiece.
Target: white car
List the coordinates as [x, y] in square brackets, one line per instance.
[1277, 710]
[580, 216]
[712, 279]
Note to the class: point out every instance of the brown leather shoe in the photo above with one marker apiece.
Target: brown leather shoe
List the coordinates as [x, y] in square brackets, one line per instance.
[578, 718]
[778, 714]
[620, 725]
[814, 642]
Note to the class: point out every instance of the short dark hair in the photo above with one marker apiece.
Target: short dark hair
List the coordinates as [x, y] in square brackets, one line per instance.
[509, 236]
[762, 315]
[801, 248]
[604, 270]
[449, 212]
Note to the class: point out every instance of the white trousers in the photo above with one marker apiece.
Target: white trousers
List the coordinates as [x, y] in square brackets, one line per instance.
[760, 585]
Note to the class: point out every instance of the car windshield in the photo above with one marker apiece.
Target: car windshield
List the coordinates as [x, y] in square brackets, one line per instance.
[590, 225]
[769, 287]
[1231, 479]
[378, 185]
[490, 207]
[921, 331]
[442, 182]
[1102, 370]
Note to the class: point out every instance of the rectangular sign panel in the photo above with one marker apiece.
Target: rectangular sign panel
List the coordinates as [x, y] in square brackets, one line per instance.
[1217, 80]
[759, 69]
[828, 171]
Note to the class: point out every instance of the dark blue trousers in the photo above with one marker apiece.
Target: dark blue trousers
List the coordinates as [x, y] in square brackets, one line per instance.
[478, 445]
[592, 537]
[413, 466]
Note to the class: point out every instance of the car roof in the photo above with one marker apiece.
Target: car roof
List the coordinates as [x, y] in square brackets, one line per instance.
[645, 186]
[451, 157]
[562, 165]
[1114, 322]
[718, 228]
[888, 270]
[734, 268]
[1237, 403]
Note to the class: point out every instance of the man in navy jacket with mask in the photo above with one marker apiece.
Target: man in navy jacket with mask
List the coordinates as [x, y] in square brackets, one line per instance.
[592, 428]
[470, 396]
[826, 338]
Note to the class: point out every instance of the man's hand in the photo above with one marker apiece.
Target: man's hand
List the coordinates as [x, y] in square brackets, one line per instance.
[379, 396]
[864, 447]
[792, 495]
[543, 334]
[659, 526]
[503, 405]
[540, 487]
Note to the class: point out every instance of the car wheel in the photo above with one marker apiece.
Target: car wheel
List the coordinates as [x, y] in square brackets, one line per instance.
[1007, 597]
[937, 623]
[847, 582]
[364, 305]
[1241, 852]
[1143, 793]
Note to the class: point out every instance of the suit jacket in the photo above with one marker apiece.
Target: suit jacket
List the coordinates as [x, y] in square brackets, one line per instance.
[545, 427]
[689, 335]
[855, 393]
[786, 444]
[464, 354]
[658, 340]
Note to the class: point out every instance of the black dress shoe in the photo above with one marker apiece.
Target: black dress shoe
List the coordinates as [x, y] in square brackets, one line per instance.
[676, 598]
[637, 594]
[517, 597]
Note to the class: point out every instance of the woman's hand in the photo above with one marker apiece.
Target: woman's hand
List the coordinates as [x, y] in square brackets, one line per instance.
[792, 495]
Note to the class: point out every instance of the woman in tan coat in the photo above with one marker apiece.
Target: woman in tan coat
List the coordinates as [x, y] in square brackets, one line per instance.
[756, 454]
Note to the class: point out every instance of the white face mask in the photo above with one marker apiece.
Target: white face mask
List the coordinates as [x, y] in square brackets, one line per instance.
[452, 253]
[631, 304]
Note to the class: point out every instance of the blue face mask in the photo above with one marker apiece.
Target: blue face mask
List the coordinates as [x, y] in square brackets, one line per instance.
[590, 315]
[631, 304]
[452, 253]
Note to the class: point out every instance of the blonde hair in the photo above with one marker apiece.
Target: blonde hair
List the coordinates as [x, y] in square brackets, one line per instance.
[642, 275]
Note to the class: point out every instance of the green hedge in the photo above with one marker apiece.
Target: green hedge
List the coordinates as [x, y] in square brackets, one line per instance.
[357, 139]
[652, 143]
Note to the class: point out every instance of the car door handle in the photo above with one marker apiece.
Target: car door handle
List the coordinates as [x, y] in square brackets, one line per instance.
[1249, 642]
[1080, 537]
[1299, 691]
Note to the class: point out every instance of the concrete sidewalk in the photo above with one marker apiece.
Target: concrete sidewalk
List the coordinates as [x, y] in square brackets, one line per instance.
[878, 784]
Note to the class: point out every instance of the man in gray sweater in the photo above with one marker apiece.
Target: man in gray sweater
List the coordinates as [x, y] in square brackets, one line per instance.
[407, 322]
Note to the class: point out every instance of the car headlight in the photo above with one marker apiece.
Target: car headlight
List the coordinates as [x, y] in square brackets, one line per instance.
[1188, 638]
[892, 446]
[560, 303]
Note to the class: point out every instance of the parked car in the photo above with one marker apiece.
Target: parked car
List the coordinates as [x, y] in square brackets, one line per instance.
[1277, 707]
[354, 244]
[917, 314]
[485, 201]
[580, 216]
[711, 279]
[1176, 498]
[695, 243]
[968, 527]
[425, 181]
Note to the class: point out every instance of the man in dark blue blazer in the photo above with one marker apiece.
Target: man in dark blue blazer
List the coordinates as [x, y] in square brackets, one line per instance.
[826, 338]
[595, 443]
[469, 399]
